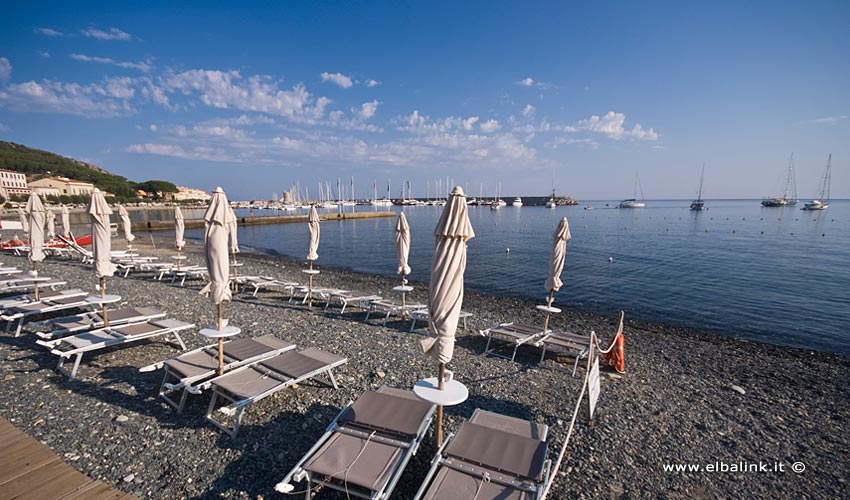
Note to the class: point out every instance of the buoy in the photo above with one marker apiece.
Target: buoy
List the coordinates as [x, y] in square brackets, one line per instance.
[733, 231]
[508, 250]
[617, 356]
[610, 260]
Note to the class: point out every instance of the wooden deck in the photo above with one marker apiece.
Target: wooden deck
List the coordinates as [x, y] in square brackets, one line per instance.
[29, 470]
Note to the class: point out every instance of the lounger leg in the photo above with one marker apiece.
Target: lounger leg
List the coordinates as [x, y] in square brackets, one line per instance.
[183, 281]
[76, 366]
[516, 348]
[180, 341]
[256, 289]
[368, 312]
[387, 317]
[487, 347]
[18, 329]
[344, 305]
[575, 365]
[542, 362]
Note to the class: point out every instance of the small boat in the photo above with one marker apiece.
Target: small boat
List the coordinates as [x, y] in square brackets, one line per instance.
[784, 200]
[634, 202]
[517, 202]
[588, 207]
[699, 203]
[822, 201]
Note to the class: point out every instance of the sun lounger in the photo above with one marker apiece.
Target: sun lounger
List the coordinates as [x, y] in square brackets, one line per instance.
[194, 272]
[21, 314]
[5, 271]
[571, 344]
[28, 298]
[270, 284]
[191, 372]
[67, 325]
[28, 283]
[425, 315]
[514, 333]
[77, 345]
[245, 386]
[359, 299]
[86, 255]
[391, 307]
[491, 457]
[367, 446]
[319, 293]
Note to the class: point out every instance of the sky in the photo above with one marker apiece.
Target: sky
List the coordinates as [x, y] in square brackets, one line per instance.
[257, 96]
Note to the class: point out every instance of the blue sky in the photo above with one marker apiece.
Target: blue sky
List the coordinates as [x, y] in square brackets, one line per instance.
[257, 96]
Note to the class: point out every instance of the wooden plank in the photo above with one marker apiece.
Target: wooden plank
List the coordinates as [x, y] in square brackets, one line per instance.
[29, 470]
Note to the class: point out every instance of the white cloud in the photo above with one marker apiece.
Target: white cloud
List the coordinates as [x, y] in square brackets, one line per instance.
[106, 99]
[526, 82]
[469, 123]
[5, 70]
[490, 126]
[153, 128]
[4, 127]
[48, 32]
[368, 109]
[111, 34]
[828, 120]
[338, 78]
[372, 83]
[228, 89]
[611, 125]
[528, 111]
[43, 53]
[141, 66]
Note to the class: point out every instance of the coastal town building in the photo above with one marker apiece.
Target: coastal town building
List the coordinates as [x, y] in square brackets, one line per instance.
[66, 186]
[46, 191]
[185, 193]
[13, 184]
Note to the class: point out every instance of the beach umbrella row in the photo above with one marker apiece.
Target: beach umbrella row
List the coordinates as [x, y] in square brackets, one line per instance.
[217, 219]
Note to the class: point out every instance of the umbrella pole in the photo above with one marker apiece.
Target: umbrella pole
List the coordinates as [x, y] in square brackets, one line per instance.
[235, 274]
[102, 296]
[220, 345]
[403, 293]
[35, 275]
[310, 288]
[178, 260]
[548, 304]
[441, 375]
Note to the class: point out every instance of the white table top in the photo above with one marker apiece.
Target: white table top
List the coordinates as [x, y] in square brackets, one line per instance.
[226, 331]
[310, 271]
[549, 309]
[453, 393]
[179, 257]
[403, 288]
[107, 299]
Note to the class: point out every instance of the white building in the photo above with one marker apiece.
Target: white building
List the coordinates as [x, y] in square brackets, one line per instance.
[185, 193]
[66, 186]
[13, 183]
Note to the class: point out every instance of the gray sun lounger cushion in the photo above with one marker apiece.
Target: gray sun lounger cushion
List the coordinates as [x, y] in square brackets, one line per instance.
[202, 362]
[371, 469]
[518, 426]
[503, 451]
[451, 484]
[272, 373]
[110, 335]
[95, 319]
[386, 412]
[47, 303]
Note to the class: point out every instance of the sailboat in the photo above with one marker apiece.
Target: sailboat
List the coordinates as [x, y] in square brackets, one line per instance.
[784, 200]
[634, 202]
[383, 202]
[699, 204]
[822, 202]
[552, 203]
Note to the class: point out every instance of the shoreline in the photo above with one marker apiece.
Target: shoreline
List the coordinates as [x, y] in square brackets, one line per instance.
[675, 403]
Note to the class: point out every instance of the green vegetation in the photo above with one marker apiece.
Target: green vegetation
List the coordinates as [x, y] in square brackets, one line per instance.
[37, 164]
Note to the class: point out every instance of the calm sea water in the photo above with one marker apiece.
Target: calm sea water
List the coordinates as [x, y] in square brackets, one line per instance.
[767, 274]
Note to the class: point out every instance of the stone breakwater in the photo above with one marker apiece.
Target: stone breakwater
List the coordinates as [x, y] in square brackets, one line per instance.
[686, 398]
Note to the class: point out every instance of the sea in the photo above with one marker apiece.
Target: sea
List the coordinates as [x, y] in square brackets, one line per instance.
[775, 275]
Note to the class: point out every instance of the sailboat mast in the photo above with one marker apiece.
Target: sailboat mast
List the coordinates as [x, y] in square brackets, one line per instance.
[701, 175]
[827, 181]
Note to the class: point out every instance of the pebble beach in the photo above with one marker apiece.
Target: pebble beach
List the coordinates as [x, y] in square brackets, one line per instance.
[687, 397]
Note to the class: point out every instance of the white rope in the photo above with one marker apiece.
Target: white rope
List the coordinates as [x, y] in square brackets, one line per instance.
[570, 431]
[484, 480]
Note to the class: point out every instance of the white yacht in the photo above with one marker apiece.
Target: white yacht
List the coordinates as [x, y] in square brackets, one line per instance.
[822, 202]
[634, 202]
[517, 202]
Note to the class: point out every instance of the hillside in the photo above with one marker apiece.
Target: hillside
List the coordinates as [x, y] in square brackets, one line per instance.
[36, 164]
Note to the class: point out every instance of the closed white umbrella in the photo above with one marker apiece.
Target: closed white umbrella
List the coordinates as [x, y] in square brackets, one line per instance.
[216, 220]
[313, 248]
[402, 248]
[445, 291]
[556, 263]
[179, 228]
[125, 224]
[37, 215]
[51, 224]
[66, 221]
[99, 213]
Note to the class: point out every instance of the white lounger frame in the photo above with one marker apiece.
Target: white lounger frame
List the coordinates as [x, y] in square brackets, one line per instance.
[79, 352]
[516, 342]
[383, 306]
[22, 317]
